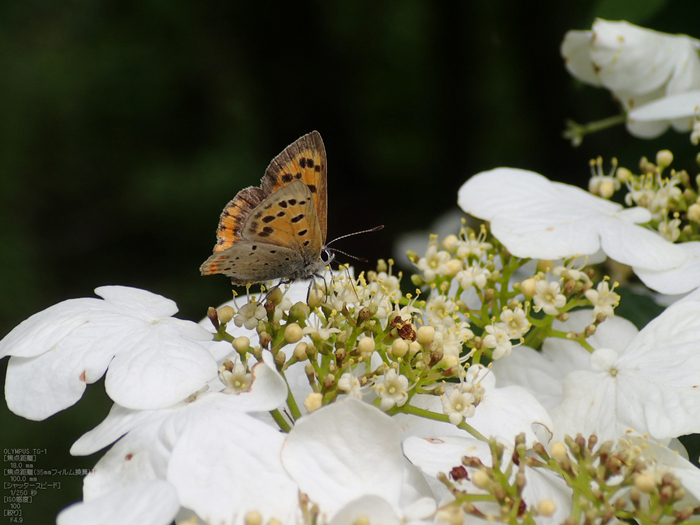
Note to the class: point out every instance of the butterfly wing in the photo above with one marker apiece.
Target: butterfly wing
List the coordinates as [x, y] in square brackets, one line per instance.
[250, 262]
[234, 217]
[305, 160]
[281, 238]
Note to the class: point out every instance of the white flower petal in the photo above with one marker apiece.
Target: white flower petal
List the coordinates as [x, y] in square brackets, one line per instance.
[534, 217]
[118, 422]
[154, 360]
[158, 368]
[226, 465]
[44, 329]
[576, 51]
[366, 509]
[145, 503]
[141, 455]
[61, 372]
[659, 373]
[589, 406]
[544, 484]
[140, 302]
[675, 106]
[631, 58]
[650, 387]
[442, 454]
[506, 412]
[335, 460]
[534, 371]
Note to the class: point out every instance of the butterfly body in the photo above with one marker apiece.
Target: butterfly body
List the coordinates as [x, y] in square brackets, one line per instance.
[277, 231]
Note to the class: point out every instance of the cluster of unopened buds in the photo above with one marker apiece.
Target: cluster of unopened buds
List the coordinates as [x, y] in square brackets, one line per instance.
[671, 196]
[626, 479]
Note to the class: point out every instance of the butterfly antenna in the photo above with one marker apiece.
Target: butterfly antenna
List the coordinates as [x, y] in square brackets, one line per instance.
[361, 259]
[375, 229]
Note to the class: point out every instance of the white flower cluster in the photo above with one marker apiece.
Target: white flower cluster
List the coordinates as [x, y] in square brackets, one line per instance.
[655, 76]
[507, 388]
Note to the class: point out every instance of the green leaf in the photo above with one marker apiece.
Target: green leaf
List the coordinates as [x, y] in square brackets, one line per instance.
[638, 308]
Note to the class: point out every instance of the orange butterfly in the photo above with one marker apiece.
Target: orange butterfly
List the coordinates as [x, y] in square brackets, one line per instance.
[277, 231]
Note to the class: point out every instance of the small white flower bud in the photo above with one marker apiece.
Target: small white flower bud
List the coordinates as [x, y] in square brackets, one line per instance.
[623, 174]
[313, 401]
[366, 345]
[453, 266]
[316, 298]
[449, 242]
[606, 188]
[293, 333]
[545, 265]
[425, 334]
[399, 348]
[546, 507]
[300, 351]
[694, 212]
[644, 482]
[559, 451]
[241, 344]
[225, 314]
[528, 287]
[450, 515]
[253, 518]
[481, 479]
[664, 158]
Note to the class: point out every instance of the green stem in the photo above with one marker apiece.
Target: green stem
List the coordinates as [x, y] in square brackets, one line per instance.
[280, 420]
[575, 131]
[292, 403]
[410, 409]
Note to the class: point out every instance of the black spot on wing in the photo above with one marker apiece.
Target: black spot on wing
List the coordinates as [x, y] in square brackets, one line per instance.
[266, 232]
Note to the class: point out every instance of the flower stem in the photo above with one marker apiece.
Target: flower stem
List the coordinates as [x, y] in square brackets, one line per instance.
[575, 131]
[410, 409]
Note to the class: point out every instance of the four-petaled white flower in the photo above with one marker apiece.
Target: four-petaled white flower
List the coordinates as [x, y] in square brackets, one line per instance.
[498, 338]
[392, 389]
[473, 275]
[467, 247]
[654, 75]
[181, 448]
[249, 314]
[459, 404]
[151, 359]
[645, 381]
[548, 298]
[440, 307]
[237, 379]
[434, 263]
[349, 384]
[603, 299]
[515, 321]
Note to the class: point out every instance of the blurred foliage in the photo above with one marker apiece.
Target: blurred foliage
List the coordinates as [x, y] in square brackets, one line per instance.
[127, 126]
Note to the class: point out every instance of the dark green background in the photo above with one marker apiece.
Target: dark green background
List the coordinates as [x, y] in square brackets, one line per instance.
[126, 126]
